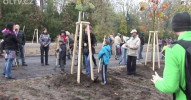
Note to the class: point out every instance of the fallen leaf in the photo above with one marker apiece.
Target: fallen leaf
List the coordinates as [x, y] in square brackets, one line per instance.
[2, 95]
[116, 94]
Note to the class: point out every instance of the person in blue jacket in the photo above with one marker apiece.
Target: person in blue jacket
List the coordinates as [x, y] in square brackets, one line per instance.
[104, 55]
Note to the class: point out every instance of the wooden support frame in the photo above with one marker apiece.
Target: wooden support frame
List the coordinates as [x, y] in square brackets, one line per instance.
[155, 46]
[35, 33]
[99, 66]
[80, 24]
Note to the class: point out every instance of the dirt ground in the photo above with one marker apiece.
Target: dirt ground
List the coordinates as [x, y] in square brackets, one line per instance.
[65, 87]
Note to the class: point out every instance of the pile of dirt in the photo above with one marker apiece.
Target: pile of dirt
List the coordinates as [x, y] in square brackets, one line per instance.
[120, 85]
[65, 87]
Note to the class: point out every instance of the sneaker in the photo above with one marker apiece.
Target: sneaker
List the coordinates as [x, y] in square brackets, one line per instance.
[103, 83]
[24, 64]
[42, 64]
[47, 64]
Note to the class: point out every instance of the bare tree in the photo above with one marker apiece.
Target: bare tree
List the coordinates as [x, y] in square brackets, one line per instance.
[41, 5]
[0, 9]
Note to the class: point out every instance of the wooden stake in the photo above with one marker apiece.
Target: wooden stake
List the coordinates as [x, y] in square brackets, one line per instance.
[154, 51]
[24, 28]
[101, 59]
[37, 36]
[158, 50]
[74, 49]
[57, 53]
[79, 55]
[90, 53]
[147, 48]
[33, 35]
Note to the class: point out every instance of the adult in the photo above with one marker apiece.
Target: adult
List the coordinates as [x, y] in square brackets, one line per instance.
[111, 38]
[160, 44]
[142, 38]
[44, 41]
[93, 43]
[10, 46]
[174, 71]
[70, 44]
[133, 47]
[124, 50]
[22, 39]
[117, 45]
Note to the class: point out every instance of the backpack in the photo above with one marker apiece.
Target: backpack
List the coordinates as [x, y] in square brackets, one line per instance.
[187, 46]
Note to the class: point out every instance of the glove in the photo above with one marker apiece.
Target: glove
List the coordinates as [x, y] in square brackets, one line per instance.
[155, 78]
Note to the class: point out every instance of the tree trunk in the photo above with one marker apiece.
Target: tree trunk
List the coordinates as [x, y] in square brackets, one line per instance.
[0, 13]
[41, 5]
[1, 9]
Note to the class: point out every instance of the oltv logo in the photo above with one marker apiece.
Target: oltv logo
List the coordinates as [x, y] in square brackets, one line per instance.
[26, 2]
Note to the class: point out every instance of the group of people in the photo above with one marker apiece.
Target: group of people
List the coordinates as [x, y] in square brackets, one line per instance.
[13, 43]
[175, 76]
[128, 49]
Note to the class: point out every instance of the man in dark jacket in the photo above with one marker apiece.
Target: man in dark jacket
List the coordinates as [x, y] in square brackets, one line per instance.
[93, 43]
[22, 39]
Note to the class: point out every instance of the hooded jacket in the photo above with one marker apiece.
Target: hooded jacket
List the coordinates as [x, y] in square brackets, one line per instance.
[105, 53]
[174, 70]
[10, 40]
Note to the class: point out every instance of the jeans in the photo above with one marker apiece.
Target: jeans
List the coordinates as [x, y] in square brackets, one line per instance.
[117, 48]
[88, 65]
[22, 53]
[111, 45]
[44, 50]
[85, 61]
[123, 55]
[9, 63]
[104, 74]
[140, 52]
[131, 65]
[62, 63]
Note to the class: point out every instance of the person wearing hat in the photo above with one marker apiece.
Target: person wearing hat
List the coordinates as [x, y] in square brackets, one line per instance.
[117, 43]
[62, 54]
[132, 46]
[141, 45]
[174, 71]
[105, 54]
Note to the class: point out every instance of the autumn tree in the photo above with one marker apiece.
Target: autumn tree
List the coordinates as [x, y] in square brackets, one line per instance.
[123, 27]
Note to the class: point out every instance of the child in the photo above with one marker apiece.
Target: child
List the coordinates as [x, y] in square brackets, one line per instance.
[104, 55]
[62, 54]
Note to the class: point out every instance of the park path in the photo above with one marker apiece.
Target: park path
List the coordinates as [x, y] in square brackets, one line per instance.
[34, 68]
